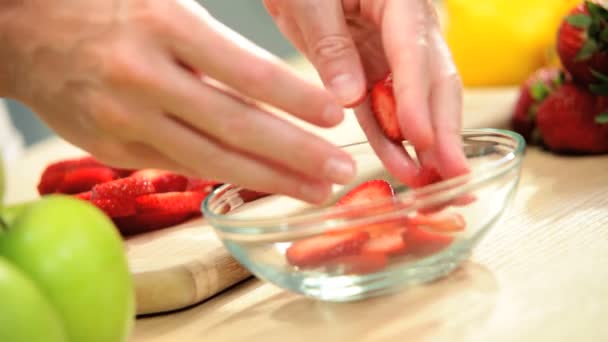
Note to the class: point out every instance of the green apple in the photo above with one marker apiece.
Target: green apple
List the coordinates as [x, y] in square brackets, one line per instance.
[74, 253]
[26, 314]
[2, 181]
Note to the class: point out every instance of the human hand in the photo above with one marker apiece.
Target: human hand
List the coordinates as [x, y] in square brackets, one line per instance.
[355, 43]
[161, 84]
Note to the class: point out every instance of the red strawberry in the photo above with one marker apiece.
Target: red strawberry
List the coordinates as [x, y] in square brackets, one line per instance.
[115, 207]
[147, 222]
[445, 221]
[163, 181]
[316, 251]
[389, 242]
[384, 108]
[367, 192]
[52, 176]
[421, 242]
[582, 41]
[84, 195]
[570, 121]
[531, 94]
[170, 202]
[129, 187]
[360, 263]
[83, 179]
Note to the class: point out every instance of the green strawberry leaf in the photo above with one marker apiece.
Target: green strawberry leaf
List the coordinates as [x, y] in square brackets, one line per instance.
[539, 91]
[580, 20]
[599, 75]
[599, 88]
[604, 35]
[587, 50]
[602, 118]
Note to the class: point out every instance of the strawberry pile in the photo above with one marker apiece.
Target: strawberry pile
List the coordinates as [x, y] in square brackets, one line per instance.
[136, 200]
[369, 248]
[565, 109]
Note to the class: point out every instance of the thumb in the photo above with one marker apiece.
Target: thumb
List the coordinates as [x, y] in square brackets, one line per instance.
[330, 47]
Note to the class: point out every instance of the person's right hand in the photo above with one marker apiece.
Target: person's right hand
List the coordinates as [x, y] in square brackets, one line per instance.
[115, 79]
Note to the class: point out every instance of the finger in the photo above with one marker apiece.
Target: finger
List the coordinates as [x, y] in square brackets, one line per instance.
[210, 160]
[222, 54]
[446, 107]
[394, 157]
[247, 128]
[138, 155]
[330, 47]
[404, 31]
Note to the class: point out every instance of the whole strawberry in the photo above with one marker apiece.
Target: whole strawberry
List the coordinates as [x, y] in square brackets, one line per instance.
[574, 120]
[532, 93]
[582, 42]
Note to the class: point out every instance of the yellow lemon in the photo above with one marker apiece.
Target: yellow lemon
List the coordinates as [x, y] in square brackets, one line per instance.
[501, 42]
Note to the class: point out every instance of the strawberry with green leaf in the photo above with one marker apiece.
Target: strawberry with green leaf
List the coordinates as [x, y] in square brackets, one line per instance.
[582, 43]
[532, 93]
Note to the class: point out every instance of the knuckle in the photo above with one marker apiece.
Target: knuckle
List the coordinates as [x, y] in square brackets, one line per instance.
[332, 47]
[122, 67]
[154, 16]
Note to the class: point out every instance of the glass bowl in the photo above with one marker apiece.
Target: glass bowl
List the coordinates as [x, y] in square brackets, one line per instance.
[259, 232]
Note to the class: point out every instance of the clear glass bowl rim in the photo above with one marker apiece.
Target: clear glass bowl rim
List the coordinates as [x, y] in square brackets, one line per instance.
[423, 196]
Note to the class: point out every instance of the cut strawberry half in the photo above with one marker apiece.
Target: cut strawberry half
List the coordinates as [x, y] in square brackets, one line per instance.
[385, 109]
[389, 242]
[84, 179]
[316, 251]
[123, 188]
[368, 192]
[147, 222]
[163, 181]
[421, 242]
[115, 207]
[444, 221]
[170, 202]
[363, 263]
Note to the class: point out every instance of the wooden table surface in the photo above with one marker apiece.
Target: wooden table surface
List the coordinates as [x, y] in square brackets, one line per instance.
[539, 275]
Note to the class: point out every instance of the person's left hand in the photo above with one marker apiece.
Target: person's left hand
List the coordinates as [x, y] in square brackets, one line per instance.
[355, 43]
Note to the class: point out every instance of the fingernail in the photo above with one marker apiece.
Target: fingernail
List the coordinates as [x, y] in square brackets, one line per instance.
[339, 170]
[346, 88]
[333, 114]
[315, 193]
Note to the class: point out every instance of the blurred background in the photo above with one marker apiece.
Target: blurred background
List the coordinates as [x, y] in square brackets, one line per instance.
[495, 43]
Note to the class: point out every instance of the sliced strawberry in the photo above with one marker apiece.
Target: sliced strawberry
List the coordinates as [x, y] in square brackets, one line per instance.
[170, 202]
[147, 222]
[202, 185]
[129, 187]
[363, 263]
[389, 243]
[367, 192]
[384, 108]
[163, 181]
[315, 251]
[49, 181]
[445, 221]
[84, 195]
[83, 179]
[421, 242]
[374, 229]
[115, 207]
